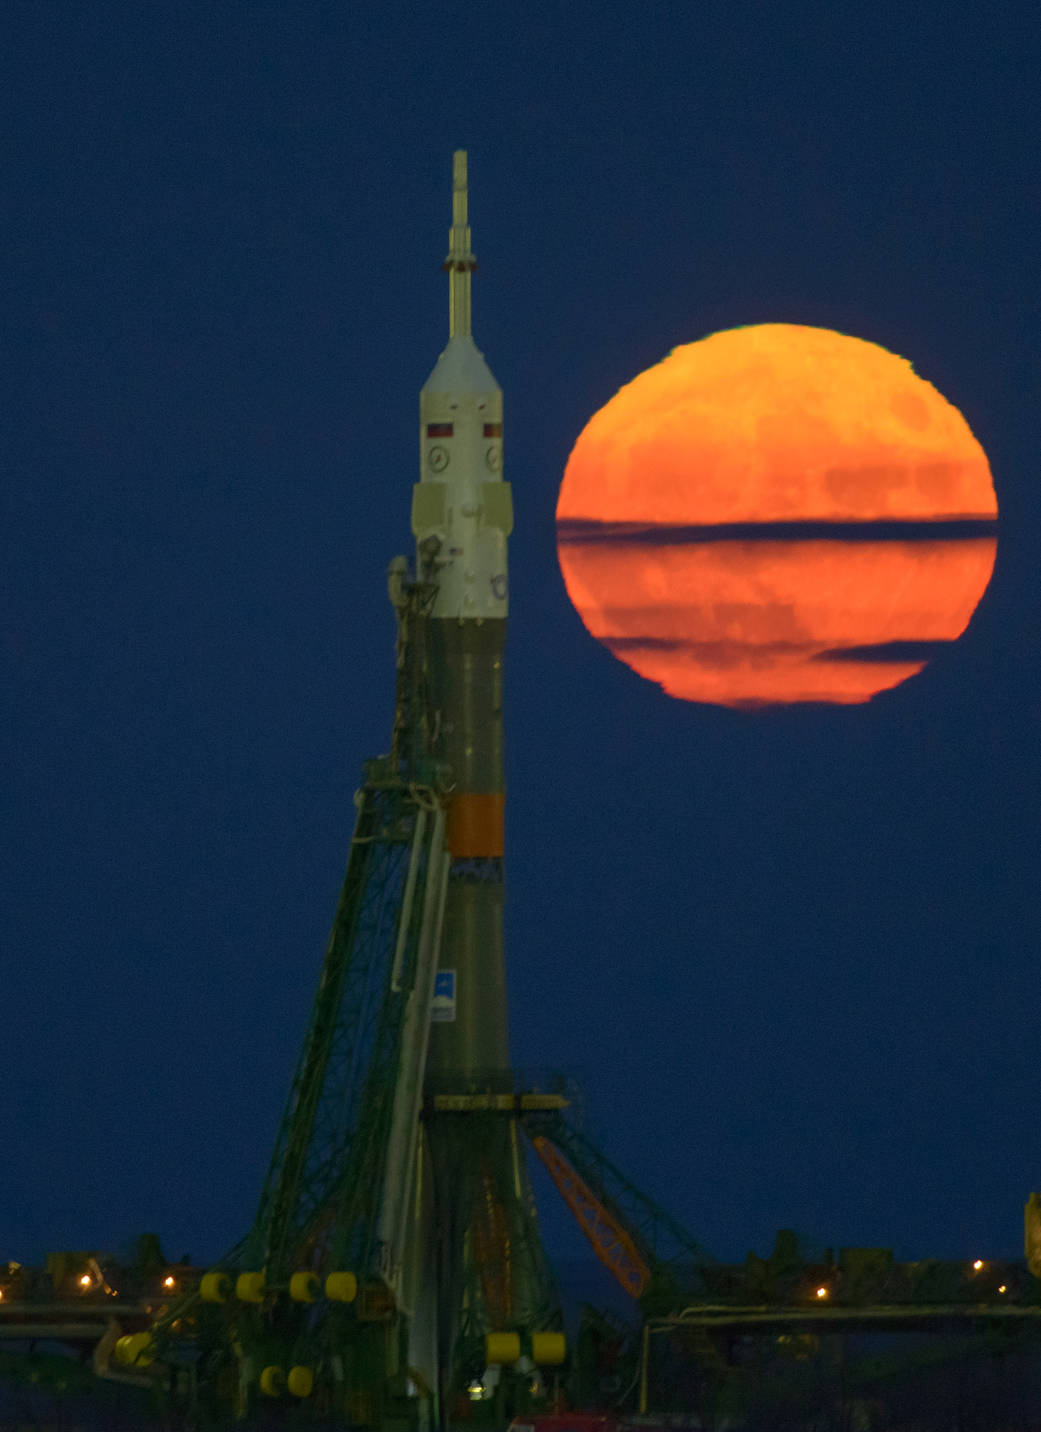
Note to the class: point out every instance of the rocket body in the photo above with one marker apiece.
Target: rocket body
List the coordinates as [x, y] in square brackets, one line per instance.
[476, 1264]
[462, 516]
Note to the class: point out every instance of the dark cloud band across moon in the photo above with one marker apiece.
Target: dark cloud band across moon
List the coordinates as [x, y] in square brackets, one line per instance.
[668, 534]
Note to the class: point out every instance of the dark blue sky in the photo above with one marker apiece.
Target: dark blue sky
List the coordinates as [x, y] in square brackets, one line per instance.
[793, 956]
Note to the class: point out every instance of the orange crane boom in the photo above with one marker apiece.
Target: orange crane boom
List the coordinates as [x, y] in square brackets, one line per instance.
[611, 1243]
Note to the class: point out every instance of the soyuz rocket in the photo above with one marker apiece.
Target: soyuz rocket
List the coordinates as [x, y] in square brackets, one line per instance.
[473, 1263]
[462, 516]
[476, 1264]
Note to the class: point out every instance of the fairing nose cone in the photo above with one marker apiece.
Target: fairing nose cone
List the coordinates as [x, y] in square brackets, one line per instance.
[461, 369]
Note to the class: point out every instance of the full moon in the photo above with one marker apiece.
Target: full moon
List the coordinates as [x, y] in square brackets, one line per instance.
[777, 514]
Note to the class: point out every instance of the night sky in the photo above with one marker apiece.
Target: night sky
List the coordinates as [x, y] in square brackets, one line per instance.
[792, 956]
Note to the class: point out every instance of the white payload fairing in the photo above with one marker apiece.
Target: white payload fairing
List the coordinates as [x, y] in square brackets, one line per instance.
[462, 510]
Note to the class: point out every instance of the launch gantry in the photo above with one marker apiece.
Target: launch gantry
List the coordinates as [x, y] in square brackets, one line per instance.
[394, 1270]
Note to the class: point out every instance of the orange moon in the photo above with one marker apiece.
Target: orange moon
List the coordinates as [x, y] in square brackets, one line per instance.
[777, 514]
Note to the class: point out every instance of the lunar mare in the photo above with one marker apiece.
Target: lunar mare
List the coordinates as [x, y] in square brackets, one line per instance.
[789, 431]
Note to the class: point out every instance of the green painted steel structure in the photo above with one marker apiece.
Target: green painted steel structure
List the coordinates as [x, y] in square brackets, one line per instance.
[321, 1199]
[428, 1207]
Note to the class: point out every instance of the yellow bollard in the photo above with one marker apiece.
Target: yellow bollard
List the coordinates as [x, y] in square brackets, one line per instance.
[249, 1287]
[135, 1349]
[272, 1382]
[214, 1287]
[501, 1347]
[304, 1287]
[341, 1287]
[301, 1381]
[548, 1349]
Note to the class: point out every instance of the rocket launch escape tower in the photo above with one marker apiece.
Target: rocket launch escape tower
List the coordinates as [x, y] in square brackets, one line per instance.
[394, 1274]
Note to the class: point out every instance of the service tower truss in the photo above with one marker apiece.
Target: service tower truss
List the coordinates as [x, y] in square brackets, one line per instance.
[394, 1274]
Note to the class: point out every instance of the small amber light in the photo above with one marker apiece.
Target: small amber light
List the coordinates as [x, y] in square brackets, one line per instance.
[86, 1280]
[1003, 1288]
[977, 1266]
[822, 1292]
[169, 1281]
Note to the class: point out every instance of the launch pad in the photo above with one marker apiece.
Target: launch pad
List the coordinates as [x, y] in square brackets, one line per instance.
[394, 1273]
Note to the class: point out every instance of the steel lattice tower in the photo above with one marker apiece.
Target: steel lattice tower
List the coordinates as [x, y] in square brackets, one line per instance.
[394, 1273]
